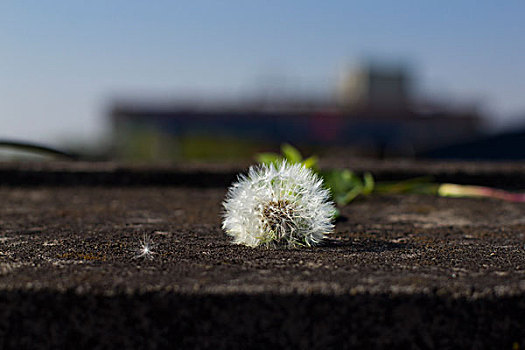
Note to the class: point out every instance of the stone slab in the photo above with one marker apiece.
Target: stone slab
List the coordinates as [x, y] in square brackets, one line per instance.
[400, 271]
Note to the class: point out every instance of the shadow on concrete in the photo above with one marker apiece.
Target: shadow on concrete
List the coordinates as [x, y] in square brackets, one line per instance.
[368, 245]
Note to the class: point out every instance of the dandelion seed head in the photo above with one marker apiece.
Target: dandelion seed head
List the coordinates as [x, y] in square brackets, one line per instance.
[283, 204]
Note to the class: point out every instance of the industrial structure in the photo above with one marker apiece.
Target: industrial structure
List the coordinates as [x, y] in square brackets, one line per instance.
[373, 113]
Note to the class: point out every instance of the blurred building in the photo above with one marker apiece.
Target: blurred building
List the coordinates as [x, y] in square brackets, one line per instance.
[376, 88]
[373, 114]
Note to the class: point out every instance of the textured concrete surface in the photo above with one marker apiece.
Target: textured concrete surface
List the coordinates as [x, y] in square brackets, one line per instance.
[400, 271]
[506, 175]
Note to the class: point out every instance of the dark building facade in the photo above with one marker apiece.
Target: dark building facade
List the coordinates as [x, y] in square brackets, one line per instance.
[373, 114]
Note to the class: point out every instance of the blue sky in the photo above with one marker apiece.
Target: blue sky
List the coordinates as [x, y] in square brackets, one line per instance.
[62, 62]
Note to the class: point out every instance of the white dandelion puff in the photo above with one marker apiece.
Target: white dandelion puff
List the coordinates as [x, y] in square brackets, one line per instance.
[282, 204]
[146, 249]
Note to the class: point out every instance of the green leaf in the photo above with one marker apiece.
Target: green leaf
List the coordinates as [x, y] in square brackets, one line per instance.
[349, 196]
[311, 162]
[369, 183]
[291, 153]
[344, 185]
[267, 158]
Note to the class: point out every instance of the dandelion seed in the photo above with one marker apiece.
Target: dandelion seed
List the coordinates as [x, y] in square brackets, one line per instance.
[281, 204]
[146, 248]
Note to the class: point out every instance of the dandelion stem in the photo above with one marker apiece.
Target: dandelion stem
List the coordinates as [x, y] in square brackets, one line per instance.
[454, 190]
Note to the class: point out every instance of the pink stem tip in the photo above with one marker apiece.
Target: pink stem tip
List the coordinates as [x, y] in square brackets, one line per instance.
[454, 190]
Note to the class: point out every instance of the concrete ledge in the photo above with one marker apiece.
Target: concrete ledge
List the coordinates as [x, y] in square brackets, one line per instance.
[401, 271]
[505, 175]
[53, 320]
